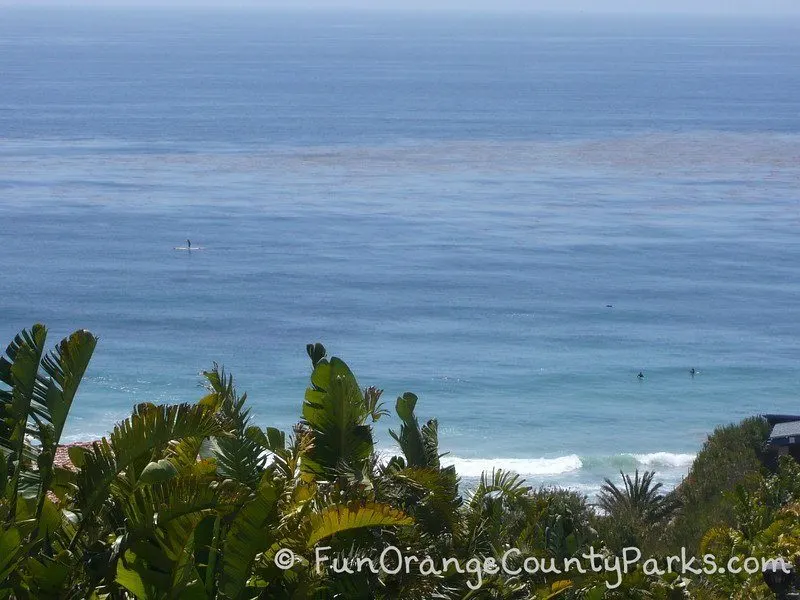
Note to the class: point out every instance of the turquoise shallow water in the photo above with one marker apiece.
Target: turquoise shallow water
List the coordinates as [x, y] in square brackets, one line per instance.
[450, 204]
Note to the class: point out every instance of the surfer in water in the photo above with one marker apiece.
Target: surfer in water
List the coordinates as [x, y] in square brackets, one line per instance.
[640, 376]
[692, 372]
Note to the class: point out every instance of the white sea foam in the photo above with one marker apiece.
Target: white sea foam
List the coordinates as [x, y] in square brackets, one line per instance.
[668, 460]
[561, 465]
[473, 467]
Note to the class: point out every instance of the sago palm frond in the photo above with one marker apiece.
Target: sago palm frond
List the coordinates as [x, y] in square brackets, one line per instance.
[498, 484]
[638, 497]
[172, 530]
[431, 496]
[251, 532]
[242, 455]
[136, 439]
[340, 518]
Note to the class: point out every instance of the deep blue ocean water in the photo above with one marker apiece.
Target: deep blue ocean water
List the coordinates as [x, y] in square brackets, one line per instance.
[450, 203]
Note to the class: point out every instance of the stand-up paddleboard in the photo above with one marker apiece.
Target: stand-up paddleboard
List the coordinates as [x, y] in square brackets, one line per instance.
[192, 249]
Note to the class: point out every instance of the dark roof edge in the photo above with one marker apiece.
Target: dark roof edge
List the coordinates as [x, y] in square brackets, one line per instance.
[773, 419]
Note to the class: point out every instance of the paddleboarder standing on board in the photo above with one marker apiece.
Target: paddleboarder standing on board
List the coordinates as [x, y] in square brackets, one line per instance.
[188, 244]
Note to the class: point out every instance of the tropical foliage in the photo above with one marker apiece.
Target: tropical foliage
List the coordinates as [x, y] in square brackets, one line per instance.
[730, 456]
[636, 512]
[196, 501]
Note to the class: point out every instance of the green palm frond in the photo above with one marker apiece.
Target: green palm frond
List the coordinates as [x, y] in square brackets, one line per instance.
[220, 387]
[639, 497]
[287, 454]
[163, 521]
[499, 483]
[12, 551]
[431, 496]
[430, 440]
[340, 518]
[239, 457]
[136, 440]
[185, 453]
[151, 428]
[157, 505]
[242, 455]
[251, 532]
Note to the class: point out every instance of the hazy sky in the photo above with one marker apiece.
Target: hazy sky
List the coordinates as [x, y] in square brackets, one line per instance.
[731, 7]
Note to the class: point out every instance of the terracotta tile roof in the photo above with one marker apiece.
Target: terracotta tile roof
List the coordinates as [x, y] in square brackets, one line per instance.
[62, 458]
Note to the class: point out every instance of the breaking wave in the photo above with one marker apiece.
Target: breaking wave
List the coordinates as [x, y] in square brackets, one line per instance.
[572, 463]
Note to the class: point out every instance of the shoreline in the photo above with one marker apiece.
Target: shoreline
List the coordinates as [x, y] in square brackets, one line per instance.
[470, 470]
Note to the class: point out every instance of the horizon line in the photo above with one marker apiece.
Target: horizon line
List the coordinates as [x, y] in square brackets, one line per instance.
[426, 10]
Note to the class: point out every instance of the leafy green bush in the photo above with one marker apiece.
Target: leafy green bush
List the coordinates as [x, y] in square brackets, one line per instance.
[195, 502]
[730, 457]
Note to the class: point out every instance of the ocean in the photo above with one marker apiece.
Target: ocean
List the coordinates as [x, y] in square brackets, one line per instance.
[511, 216]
